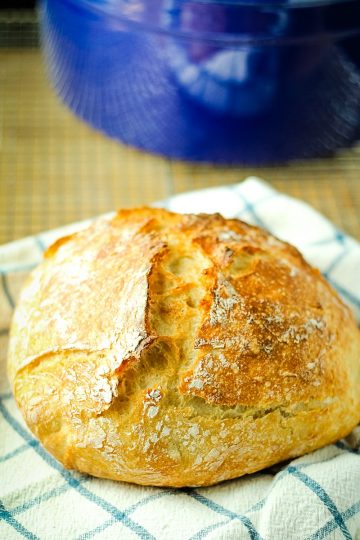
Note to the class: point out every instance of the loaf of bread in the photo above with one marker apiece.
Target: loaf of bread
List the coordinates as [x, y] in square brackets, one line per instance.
[181, 350]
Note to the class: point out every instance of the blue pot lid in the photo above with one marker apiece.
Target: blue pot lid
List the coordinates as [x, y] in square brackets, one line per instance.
[273, 21]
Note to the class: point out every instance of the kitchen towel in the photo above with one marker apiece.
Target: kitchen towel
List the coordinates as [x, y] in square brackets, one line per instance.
[313, 497]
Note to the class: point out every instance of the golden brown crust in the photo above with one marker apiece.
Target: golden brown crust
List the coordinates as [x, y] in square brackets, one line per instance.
[173, 349]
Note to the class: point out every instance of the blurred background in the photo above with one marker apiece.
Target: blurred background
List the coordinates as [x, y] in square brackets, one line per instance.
[56, 169]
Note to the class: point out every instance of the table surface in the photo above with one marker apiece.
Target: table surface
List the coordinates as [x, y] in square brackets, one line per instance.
[54, 169]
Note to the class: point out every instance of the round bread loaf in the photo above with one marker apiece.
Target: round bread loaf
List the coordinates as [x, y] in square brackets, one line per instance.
[181, 350]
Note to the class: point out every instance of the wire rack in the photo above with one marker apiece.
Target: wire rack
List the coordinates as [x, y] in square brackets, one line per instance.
[54, 169]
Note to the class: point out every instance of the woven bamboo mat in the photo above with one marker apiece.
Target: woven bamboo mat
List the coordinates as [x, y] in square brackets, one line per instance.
[54, 169]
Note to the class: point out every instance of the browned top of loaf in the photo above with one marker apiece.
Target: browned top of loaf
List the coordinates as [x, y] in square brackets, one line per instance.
[250, 319]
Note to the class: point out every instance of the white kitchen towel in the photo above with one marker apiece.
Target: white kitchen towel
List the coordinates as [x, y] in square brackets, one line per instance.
[313, 497]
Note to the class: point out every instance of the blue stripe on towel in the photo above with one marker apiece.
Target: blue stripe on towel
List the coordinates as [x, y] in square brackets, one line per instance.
[254, 535]
[324, 497]
[7, 516]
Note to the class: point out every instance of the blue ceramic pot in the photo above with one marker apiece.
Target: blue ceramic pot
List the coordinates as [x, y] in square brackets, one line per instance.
[248, 82]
